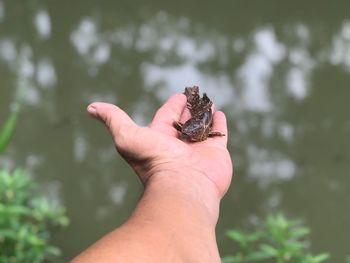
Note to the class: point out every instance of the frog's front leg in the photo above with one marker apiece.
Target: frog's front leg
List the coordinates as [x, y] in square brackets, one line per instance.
[178, 126]
[215, 133]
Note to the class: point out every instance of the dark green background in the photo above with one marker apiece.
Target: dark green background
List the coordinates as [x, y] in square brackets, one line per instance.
[279, 69]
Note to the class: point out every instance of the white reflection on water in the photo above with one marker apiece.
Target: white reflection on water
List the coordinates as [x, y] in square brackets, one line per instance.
[286, 131]
[32, 95]
[24, 70]
[174, 79]
[33, 161]
[91, 44]
[255, 75]
[123, 37]
[266, 166]
[301, 65]
[102, 53]
[160, 32]
[340, 53]
[171, 38]
[296, 83]
[267, 45]
[43, 24]
[21, 62]
[7, 50]
[238, 45]
[45, 73]
[140, 112]
[85, 36]
[80, 147]
[189, 50]
[274, 200]
[52, 190]
[117, 193]
[257, 70]
[25, 63]
[106, 155]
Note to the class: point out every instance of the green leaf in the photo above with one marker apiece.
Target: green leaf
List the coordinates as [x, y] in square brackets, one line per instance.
[300, 232]
[236, 235]
[14, 210]
[7, 233]
[321, 257]
[8, 128]
[269, 250]
[54, 251]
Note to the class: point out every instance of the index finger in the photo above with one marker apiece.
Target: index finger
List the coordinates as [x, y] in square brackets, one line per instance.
[166, 115]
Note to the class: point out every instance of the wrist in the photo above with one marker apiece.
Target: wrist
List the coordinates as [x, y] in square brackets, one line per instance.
[186, 184]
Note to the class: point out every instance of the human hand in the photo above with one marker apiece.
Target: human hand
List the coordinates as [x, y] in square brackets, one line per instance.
[157, 148]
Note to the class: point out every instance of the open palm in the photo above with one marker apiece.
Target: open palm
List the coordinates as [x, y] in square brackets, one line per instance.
[158, 147]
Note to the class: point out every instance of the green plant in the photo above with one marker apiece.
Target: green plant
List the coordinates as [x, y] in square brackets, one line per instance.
[8, 128]
[279, 239]
[25, 219]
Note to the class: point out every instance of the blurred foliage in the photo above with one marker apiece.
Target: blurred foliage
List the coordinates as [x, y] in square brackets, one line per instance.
[25, 216]
[278, 240]
[8, 128]
[25, 220]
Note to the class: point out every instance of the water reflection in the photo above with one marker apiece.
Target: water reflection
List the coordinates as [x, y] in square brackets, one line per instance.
[43, 24]
[28, 75]
[45, 73]
[118, 192]
[296, 83]
[256, 71]
[80, 148]
[7, 50]
[91, 44]
[264, 78]
[20, 63]
[266, 166]
[173, 79]
[340, 54]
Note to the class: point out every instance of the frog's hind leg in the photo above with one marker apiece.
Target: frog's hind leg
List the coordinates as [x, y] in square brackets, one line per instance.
[215, 133]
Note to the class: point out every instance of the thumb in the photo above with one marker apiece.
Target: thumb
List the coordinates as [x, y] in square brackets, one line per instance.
[117, 121]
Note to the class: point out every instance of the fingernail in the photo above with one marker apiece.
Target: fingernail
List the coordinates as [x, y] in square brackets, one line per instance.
[92, 110]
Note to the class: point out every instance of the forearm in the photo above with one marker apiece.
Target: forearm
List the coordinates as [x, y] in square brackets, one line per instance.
[173, 222]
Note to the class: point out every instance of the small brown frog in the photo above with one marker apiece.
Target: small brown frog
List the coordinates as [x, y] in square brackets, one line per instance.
[199, 126]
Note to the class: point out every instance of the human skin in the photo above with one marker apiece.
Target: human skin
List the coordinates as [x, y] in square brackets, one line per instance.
[175, 219]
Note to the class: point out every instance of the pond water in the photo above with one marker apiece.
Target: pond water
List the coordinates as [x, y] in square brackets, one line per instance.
[279, 70]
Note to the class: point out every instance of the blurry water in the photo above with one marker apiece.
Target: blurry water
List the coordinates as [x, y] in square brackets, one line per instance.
[280, 71]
